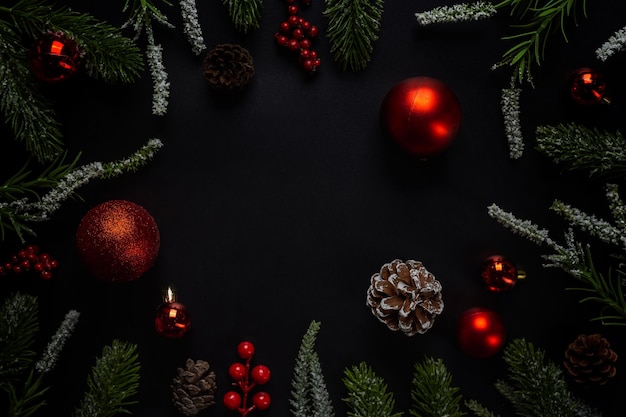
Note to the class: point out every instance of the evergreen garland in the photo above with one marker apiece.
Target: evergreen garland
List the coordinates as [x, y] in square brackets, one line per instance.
[367, 393]
[353, 27]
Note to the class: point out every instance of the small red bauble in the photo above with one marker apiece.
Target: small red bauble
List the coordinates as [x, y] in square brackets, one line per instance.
[500, 274]
[232, 400]
[261, 400]
[172, 318]
[480, 332]
[245, 350]
[118, 241]
[260, 374]
[237, 371]
[54, 57]
[422, 115]
[587, 87]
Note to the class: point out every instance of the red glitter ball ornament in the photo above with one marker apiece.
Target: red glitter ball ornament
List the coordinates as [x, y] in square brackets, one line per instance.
[480, 332]
[588, 87]
[54, 57]
[500, 274]
[118, 241]
[172, 318]
[422, 115]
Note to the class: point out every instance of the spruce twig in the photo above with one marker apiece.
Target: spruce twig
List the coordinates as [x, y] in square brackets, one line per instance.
[432, 394]
[367, 393]
[18, 327]
[353, 27]
[245, 14]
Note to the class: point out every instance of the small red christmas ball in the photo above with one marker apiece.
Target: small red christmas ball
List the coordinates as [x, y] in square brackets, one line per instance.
[172, 320]
[245, 350]
[118, 241]
[260, 374]
[232, 400]
[422, 115]
[237, 371]
[261, 400]
[54, 57]
[480, 332]
[499, 273]
[587, 87]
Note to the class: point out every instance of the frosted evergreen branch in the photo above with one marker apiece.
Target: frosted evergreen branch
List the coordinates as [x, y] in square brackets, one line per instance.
[191, 26]
[322, 405]
[510, 101]
[478, 409]
[367, 393]
[133, 162]
[577, 147]
[18, 327]
[457, 13]
[244, 14]
[353, 27]
[615, 44]
[431, 376]
[617, 207]
[56, 344]
[524, 228]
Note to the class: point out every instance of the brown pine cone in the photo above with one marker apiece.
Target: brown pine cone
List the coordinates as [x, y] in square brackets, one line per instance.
[590, 358]
[405, 296]
[194, 388]
[228, 67]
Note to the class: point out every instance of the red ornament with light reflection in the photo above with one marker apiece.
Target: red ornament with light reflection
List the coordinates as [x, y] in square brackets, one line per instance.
[500, 274]
[422, 115]
[588, 87]
[172, 318]
[54, 57]
[480, 332]
[118, 241]
[245, 377]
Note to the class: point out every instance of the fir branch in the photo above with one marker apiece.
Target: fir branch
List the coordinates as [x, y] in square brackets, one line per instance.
[244, 14]
[30, 399]
[479, 410]
[577, 147]
[367, 393]
[461, 12]
[533, 35]
[615, 44]
[18, 327]
[112, 383]
[56, 344]
[353, 27]
[432, 394]
[512, 126]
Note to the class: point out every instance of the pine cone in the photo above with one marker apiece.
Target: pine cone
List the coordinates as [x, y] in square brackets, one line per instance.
[405, 296]
[194, 388]
[590, 358]
[228, 67]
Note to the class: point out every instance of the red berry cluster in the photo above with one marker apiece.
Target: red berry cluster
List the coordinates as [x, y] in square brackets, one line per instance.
[296, 35]
[27, 259]
[246, 379]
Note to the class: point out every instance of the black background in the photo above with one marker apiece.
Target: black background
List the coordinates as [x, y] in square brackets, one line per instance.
[275, 208]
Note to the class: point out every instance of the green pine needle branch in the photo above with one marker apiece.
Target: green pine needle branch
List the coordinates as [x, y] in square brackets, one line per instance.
[576, 147]
[18, 327]
[309, 396]
[432, 394]
[353, 27]
[113, 382]
[244, 14]
[367, 393]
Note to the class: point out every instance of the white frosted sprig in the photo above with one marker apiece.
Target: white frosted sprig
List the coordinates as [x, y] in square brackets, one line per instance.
[133, 162]
[510, 101]
[57, 342]
[160, 84]
[457, 13]
[191, 26]
[617, 207]
[613, 45]
[524, 228]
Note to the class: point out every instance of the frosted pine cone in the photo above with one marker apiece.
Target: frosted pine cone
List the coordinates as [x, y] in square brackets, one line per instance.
[194, 388]
[228, 67]
[405, 296]
[590, 358]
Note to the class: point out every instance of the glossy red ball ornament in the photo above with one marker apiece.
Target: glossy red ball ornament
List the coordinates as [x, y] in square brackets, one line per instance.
[232, 400]
[260, 374]
[480, 332]
[54, 57]
[500, 274]
[237, 371]
[172, 318]
[245, 350]
[588, 87]
[422, 115]
[261, 400]
[118, 241]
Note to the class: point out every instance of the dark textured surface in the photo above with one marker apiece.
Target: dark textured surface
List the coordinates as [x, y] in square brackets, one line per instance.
[276, 207]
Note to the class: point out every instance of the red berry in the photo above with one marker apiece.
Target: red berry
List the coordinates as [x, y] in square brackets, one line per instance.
[53, 264]
[8, 265]
[32, 248]
[38, 267]
[261, 400]
[282, 40]
[17, 269]
[313, 31]
[285, 26]
[313, 55]
[232, 400]
[237, 371]
[305, 25]
[245, 350]
[306, 2]
[293, 45]
[297, 34]
[293, 21]
[44, 257]
[46, 275]
[292, 10]
[22, 254]
[25, 264]
[308, 64]
[260, 374]
[14, 259]
[2, 271]
[305, 44]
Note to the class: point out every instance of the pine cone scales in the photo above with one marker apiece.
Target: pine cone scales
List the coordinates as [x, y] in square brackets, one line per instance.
[590, 358]
[228, 67]
[194, 388]
[405, 296]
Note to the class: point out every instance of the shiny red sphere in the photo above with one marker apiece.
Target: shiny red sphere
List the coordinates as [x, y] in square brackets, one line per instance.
[587, 86]
[245, 350]
[237, 371]
[172, 320]
[480, 332]
[260, 374]
[261, 400]
[499, 273]
[54, 57]
[422, 115]
[232, 400]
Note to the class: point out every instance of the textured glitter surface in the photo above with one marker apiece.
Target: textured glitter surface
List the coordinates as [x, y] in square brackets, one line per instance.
[118, 241]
